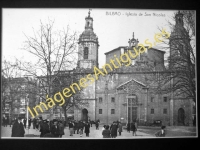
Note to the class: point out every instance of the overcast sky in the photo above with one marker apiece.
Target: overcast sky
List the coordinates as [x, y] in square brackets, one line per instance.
[112, 30]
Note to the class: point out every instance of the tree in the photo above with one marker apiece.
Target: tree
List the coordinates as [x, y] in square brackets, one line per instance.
[12, 85]
[65, 79]
[54, 51]
[182, 57]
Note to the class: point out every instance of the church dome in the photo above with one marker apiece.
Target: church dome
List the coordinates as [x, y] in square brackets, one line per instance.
[88, 35]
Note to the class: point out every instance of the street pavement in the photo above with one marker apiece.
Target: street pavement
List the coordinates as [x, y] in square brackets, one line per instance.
[94, 134]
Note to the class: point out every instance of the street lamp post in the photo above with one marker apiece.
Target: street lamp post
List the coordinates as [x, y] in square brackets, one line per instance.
[27, 103]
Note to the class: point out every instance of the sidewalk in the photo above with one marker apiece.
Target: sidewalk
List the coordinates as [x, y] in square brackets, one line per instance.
[94, 134]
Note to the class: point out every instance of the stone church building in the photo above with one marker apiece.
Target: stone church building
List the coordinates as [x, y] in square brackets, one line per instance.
[129, 93]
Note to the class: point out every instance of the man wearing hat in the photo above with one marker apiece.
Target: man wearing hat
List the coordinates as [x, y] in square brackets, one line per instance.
[55, 129]
[44, 128]
[161, 133]
[18, 128]
[113, 129]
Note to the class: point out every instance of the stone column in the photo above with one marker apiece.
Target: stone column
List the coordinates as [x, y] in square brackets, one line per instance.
[171, 111]
[119, 104]
[145, 106]
[139, 111]
[190, 117]
[171, 105]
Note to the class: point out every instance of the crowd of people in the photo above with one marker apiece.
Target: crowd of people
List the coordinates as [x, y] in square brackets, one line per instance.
[78, 127]
[8, 121]
[55, 128]
[116, 126]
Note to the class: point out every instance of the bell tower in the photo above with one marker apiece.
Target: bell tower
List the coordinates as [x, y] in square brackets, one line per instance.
[88, 46]
[179, 41]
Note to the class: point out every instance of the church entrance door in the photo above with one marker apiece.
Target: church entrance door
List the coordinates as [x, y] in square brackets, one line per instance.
[84, 115]
[132, 109]
[181, 117]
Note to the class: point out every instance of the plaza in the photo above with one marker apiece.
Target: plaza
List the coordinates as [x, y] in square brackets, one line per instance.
[143, 132]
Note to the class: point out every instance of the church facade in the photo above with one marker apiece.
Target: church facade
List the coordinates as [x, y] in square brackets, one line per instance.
[128, 93]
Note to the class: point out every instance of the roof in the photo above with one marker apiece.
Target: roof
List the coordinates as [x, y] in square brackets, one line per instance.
[156, 49]
[140, 83]
[115, 49]
[127, 47]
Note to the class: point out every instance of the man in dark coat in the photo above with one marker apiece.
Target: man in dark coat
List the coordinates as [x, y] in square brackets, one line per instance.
[29, 123]
[34, 122]
[61, 129]
[87, 129]
[71, 128]
[81, 126]
[97, 125]
[78, 126]
[44, 128]
[90, 122]
[120, 128]
[75, 126]
[24, 122]
[4, 121]
[128, 127]
[10, 121]
[114, 130]
[133, 128]
[106, 132]
[18, 129]
[55, 129]
[161, 133]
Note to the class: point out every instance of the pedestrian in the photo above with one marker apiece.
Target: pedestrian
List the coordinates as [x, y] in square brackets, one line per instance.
[10, 121]
[97, 125]
[34, 123]
[161, 133]
[75, 126]
[104, 127]
[120, 128]
[44, 129]
[61, 129]
[55, 129]
[113, 130]
[91, 123]
[13, 120]
[78, 126]
[18, 129]
[37, 124]
[133, 128]
[128, 127]
[4, 118]
[40, 122]
[24, 121]
[51, 124]
[71, 126]
[87, 129]
[29, 123]
[6, 121]
[117, 122]
[81, 128]
[106, 132]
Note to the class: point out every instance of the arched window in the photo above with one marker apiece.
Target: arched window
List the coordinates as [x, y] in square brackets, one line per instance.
[86, 53]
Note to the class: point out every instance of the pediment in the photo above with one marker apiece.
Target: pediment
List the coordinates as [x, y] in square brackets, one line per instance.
[131, 86]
